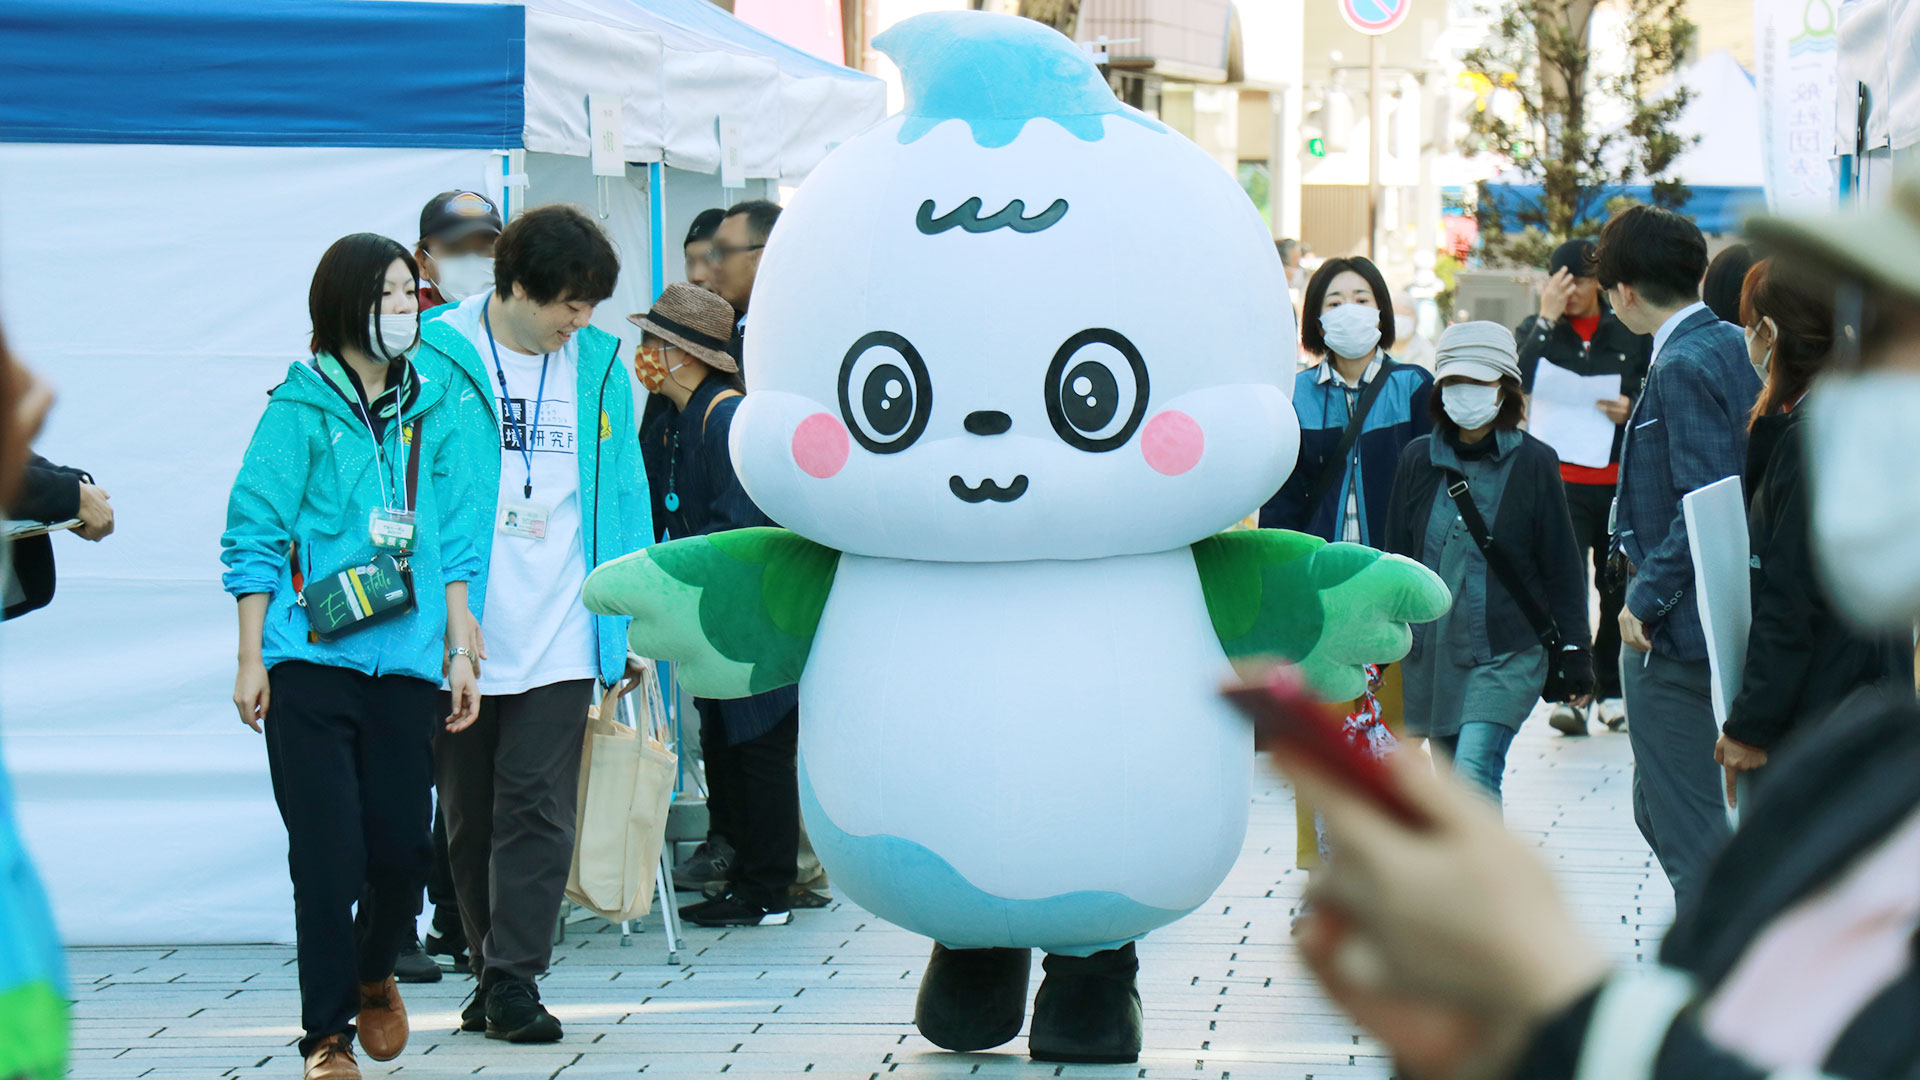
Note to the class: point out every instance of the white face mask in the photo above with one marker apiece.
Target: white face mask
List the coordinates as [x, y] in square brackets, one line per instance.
[1351, 330]
[1402, 329]
[460, 276]
[1766, 362]
[1470, 405]
[1863, 450]
[394, 336]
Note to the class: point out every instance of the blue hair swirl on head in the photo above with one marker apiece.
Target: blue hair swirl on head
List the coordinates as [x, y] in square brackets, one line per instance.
[996, 72]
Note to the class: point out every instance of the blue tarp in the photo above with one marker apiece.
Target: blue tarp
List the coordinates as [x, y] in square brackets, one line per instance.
[1717, 210]
[263, 73]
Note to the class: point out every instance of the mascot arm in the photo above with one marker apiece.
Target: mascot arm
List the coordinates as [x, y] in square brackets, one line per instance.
[736, 610]
[1330, 608]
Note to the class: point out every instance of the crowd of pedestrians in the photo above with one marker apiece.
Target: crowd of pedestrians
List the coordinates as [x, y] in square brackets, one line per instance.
[424, 497]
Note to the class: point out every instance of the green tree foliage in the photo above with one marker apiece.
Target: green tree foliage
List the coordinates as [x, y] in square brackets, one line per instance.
[1539, 53]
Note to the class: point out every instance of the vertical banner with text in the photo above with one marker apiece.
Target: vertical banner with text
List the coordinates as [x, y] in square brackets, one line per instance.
[1797, 45]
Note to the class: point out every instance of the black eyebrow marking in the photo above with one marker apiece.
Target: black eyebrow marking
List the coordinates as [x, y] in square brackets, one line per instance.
[967, 216]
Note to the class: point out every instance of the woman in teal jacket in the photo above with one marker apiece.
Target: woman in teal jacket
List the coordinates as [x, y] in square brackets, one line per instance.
[361, 452]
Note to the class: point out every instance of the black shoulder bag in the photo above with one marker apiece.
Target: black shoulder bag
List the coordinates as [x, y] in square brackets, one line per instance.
[1562, 684]
[361, 596]
[1330, 471]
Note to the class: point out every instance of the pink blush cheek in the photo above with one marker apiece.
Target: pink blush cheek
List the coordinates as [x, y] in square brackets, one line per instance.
[1172, 443]
[820, 446]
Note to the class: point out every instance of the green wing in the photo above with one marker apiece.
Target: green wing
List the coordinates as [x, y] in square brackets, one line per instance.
[736, 610]
[1331, 608]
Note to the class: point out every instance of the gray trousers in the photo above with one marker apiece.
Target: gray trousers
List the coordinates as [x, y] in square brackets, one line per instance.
[509, 786]
[1678, 793]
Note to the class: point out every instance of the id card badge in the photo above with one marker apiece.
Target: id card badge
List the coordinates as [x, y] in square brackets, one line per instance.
[391, 530]
[524, 519]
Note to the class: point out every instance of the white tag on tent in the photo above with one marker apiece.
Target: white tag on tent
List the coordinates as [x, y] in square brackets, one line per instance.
[603, 130]
[733, 169]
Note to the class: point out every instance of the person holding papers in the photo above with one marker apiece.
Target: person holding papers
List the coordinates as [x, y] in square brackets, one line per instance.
[1580, 339]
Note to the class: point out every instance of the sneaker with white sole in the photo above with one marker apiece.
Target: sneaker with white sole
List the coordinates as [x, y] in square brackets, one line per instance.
[733, 909]
[1613, 713]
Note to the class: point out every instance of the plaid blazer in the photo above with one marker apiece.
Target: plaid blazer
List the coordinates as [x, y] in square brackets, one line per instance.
[1688, 430]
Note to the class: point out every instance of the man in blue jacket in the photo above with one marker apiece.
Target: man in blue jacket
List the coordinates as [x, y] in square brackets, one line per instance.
[565, 493]
[1688, 430]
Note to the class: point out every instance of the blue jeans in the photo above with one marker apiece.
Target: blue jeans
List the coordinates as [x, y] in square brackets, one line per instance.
[1478, 753]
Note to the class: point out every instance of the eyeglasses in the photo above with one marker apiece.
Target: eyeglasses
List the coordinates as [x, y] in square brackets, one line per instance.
[717, 252]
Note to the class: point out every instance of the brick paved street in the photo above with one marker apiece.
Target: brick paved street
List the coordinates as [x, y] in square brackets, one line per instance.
[832, 994]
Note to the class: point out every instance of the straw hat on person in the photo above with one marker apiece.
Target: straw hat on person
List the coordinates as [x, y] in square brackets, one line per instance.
[690, 318]
[1880, 244]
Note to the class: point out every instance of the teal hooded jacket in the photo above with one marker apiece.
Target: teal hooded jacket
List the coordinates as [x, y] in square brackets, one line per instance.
[311, 474]
[616, 514]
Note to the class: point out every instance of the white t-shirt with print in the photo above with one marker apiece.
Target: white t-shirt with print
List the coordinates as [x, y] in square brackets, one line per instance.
[537, 631]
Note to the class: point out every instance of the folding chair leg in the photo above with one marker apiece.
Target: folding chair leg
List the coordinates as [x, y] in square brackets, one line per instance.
[669, 915]
[626, 933]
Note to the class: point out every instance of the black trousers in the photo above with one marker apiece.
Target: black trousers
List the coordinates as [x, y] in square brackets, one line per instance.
[1591, 505]
[509, 786]
[351, 757]
[753, 799]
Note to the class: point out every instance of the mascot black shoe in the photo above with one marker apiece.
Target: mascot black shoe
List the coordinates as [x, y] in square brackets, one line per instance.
[1088, 1009]
[973, 999]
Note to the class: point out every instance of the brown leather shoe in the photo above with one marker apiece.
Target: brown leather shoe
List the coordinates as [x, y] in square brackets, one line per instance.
[333, 1060]
[383, 1020]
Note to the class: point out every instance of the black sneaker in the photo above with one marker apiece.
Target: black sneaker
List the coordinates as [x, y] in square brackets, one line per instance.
[413, 965]
[708, 863]
[474, 1016]
[447, 939]
[732, 909]
[514, 1013]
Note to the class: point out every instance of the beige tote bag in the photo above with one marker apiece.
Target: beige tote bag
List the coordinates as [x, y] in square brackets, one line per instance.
[626, 781]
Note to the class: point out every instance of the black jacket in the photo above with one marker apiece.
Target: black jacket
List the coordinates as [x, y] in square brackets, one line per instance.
[1531, 526]
[1801, 658]
[50, 493]
[1838, 794]
[685, 451]
[1615, 350]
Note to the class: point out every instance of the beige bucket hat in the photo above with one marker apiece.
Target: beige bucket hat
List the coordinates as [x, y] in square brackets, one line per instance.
[1879, 244]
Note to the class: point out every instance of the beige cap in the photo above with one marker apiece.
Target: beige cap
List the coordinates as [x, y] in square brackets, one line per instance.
[1477, 350]
[1879, 244]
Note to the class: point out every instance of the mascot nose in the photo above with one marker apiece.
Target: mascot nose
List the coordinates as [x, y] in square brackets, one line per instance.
[988, 423]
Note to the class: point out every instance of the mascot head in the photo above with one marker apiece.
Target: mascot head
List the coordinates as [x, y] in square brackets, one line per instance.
[1017, 321]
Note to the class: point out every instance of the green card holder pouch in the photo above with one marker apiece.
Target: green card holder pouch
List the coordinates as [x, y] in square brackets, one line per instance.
[358, 597]
[367, 595]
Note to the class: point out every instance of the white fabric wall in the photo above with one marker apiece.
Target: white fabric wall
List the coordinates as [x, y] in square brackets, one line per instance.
[162, 290]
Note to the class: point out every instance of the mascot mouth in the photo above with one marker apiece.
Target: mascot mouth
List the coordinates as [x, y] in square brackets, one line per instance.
[987, 490]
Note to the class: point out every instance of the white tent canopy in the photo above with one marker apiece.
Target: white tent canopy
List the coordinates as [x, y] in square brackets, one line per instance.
[171, 182]
[677, 66]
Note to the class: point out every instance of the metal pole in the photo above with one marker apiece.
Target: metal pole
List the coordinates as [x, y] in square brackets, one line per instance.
[1374, 123]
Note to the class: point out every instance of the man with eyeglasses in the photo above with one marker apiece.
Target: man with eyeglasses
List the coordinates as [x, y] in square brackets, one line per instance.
[734, 257]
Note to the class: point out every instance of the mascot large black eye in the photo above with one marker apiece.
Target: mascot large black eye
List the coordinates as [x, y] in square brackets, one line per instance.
[1097, 390]
[885, 397]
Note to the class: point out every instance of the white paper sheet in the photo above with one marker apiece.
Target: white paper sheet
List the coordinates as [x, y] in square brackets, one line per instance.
[1565, 414]
[1717, 537]
[1723, 587]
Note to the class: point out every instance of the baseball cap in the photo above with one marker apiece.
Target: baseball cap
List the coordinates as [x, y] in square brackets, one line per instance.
[1575, 256]
[454, 215]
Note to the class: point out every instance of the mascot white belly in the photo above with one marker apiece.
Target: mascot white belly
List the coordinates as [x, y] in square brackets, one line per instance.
[1040, 757]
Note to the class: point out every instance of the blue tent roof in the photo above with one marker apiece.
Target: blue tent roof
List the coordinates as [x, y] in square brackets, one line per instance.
[1716, 210]
[263, 72]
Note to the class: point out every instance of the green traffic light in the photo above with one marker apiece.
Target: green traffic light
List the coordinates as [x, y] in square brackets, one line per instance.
[1317, 147]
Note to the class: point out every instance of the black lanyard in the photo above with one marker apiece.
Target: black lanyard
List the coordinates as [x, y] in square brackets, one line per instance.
[521, 426]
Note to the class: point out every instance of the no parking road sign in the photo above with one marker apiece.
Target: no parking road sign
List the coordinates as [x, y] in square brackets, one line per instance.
[1374, 16]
